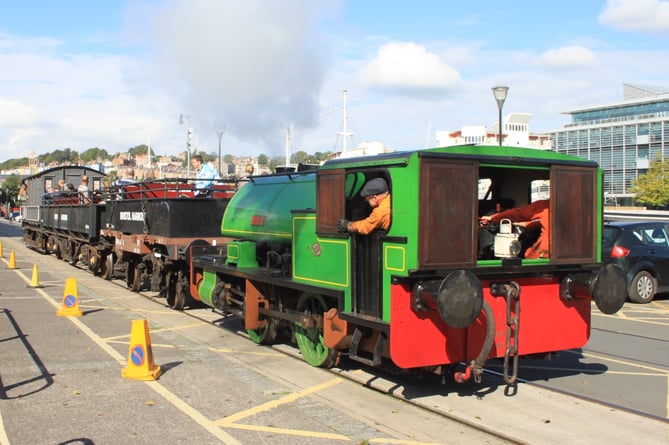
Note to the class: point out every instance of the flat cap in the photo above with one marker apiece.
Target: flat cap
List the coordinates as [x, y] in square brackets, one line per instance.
[374, 187]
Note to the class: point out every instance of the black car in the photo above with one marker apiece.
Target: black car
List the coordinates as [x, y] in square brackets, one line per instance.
[641, 249]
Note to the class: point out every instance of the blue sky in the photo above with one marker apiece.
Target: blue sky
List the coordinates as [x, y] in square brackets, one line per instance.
[115, 74]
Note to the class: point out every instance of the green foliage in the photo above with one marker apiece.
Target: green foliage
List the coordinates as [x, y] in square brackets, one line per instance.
[274, 162]
[13, 164]
[140, 150]
[263, 159]
[93, 154]
[11, 186]
[211, 157]
[64, 156]
[653, 188]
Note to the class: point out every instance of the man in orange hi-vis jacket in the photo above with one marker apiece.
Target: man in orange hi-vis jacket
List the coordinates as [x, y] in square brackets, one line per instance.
[530, 216]
[377, 196]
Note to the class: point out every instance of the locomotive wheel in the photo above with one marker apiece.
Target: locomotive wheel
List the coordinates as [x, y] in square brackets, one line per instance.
[266, 335]
[310, 339]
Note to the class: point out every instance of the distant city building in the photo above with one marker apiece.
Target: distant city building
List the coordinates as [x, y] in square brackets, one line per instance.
[622, 137]
[515, 132]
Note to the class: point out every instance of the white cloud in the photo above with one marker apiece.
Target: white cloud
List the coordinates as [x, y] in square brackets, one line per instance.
[13, 113]
[408, 68]
[568, 57]
[645, 16]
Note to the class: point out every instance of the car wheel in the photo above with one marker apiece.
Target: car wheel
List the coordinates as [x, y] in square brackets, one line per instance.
[642, 288]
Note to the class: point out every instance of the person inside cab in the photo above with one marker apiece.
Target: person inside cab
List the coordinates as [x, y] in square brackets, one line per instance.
[376, 194]
[534, 216]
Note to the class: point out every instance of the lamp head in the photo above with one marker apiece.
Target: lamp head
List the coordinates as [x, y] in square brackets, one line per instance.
[500, 94]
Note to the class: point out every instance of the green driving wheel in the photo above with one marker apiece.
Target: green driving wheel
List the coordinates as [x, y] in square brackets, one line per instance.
[310, 338]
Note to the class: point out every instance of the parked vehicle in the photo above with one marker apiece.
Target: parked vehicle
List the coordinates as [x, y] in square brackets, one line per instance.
[641, 249]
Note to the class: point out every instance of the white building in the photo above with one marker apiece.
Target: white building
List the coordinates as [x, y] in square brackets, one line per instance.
[515, 132]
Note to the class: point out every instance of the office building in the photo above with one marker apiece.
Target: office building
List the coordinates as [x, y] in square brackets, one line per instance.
[622, 137]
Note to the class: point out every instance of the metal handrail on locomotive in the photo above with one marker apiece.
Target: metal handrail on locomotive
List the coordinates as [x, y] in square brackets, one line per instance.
[430, 292]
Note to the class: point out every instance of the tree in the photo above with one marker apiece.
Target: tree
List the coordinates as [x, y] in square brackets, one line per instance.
[653, 187]
[262, 159]
[299, 157]
[92, 155]
[140, 150]
[11, 186]
[274, 162]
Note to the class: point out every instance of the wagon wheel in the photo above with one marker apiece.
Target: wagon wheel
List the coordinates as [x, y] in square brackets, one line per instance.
[90, 255]
[171, 291]
[180, 292]
[310, 338]
[107, 266]
[56, 248]
[132, 276]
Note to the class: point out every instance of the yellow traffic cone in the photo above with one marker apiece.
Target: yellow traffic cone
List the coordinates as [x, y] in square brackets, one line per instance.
[35, 280]
[2, 254]
[140, 355]
[70, 306]
[12, 259]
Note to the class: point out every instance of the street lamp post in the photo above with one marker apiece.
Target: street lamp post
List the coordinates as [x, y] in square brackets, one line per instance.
[500, 96]
[219, 133]
[189, 142]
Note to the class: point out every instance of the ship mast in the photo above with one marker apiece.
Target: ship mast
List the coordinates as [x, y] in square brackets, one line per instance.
[345, 133]
[288, 143]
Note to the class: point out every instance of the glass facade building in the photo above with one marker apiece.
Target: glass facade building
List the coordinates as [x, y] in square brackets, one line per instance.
[621, 137]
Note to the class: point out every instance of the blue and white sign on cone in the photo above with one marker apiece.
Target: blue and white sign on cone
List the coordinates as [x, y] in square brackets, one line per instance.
[70, 306]
[140, 355]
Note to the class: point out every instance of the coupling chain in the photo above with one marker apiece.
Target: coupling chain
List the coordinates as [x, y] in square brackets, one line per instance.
[512, 328]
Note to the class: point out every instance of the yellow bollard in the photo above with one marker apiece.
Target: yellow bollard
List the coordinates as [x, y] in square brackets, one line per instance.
[12, 259]
[35, 280]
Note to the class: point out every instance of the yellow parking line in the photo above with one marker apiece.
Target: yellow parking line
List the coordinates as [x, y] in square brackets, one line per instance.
[660, 307]
[280, 401]
[582, 371]
[237, 351]
[288, 432]
[635, 319]
[178, 328]
[622, 362]
[229, 421]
